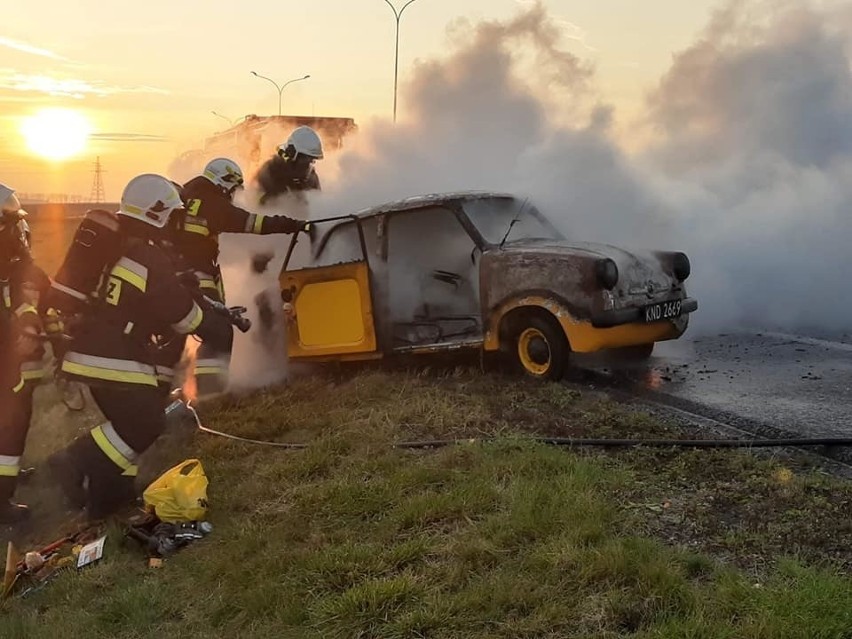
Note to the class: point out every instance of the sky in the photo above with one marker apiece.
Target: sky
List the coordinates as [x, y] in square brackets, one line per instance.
[147, 75]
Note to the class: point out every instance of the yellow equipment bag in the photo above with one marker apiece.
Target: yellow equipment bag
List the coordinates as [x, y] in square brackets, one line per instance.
[179, 494]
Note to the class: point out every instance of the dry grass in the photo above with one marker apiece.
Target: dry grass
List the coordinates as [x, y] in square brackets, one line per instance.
[353, 538]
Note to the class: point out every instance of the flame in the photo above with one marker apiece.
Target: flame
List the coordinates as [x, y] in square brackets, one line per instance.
[653, 379]
[190, 385]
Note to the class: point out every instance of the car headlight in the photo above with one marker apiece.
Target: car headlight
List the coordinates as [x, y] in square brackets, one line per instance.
[680, 266]
[607, 273]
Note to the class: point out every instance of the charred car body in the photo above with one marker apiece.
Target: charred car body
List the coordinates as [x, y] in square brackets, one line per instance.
[476, 270]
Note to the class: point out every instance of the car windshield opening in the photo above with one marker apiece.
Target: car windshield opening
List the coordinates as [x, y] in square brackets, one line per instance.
[494, 216]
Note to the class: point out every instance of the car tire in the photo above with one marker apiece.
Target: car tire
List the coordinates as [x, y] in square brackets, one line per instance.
[638, 353]
[539, 347]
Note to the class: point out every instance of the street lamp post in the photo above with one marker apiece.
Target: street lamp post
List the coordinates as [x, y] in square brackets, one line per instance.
[281, 88]
[398, 16]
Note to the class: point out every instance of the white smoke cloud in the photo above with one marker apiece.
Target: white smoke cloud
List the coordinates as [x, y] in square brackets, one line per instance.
[507, 110]
[259, 357]
[749, 169]
[754, 154]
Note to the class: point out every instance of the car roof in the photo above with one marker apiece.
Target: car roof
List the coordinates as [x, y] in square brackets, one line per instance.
[435, 199]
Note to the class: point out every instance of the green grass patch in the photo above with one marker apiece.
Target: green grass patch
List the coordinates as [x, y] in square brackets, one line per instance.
[353, 538]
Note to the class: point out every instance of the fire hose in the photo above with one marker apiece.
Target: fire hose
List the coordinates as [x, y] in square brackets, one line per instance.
[186, 406]
[552, 441]
[650, 443]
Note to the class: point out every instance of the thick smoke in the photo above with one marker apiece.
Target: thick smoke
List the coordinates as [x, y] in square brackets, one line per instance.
[472, 122]
[748, 168]
[259, 357]
[754, 156]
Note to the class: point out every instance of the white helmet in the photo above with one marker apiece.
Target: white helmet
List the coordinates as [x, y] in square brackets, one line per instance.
[225, 173]
[151, 199]
[9, 203]
[304, 141]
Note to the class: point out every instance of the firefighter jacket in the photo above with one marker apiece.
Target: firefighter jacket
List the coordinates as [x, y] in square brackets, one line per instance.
[19, 279]
[12, 249]
[32, 283]
[278, 176]
[209, 212]
[10, 370]
[140, 299]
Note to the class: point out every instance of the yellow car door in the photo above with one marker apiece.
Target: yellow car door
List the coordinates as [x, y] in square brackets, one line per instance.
[332, 310]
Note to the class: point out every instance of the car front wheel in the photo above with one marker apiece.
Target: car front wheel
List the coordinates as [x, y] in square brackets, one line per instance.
[540, 348]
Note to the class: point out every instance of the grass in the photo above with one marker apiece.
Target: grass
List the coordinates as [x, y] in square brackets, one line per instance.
[353, 538]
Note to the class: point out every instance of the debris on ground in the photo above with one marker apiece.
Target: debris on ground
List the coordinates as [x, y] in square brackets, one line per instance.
[174, 517]
[161, 539]
[31, 571]
[179, 494]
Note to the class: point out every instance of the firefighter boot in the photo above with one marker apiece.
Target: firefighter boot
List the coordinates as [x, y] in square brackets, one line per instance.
[66, 468]
[10, 512]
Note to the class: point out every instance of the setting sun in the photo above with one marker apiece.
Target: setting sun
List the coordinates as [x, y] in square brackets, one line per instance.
[56, 134]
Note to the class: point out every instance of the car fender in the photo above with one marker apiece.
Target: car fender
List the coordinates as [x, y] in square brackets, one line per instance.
[557, 308]
[581, 335]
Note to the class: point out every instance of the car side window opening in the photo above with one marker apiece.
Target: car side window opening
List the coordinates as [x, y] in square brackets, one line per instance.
[344, 246]
[431, 278]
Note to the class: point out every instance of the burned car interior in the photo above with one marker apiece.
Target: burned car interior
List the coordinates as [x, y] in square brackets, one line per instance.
[423, 272]
[432, 286]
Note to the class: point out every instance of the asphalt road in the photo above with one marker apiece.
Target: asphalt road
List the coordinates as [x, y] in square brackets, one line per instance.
[795, 383]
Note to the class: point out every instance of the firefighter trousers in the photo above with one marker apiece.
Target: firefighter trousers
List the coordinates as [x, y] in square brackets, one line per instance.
[108, 454]
[211, 365]
[211, 370]
[15, 408]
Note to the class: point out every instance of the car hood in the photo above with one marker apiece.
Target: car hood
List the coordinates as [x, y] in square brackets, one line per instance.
[591, 249]
[640, 272]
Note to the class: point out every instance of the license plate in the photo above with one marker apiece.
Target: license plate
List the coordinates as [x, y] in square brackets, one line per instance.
[663, 311]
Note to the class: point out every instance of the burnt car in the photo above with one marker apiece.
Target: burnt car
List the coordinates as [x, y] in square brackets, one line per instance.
[480, 271]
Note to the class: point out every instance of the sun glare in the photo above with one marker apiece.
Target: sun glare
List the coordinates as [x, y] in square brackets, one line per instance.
[56, 134]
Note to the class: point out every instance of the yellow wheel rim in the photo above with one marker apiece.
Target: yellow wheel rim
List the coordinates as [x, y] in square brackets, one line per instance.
[534, 351]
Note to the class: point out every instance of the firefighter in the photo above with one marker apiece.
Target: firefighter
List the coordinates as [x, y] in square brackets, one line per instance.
[113, 351]
[19, 329]
[292, 168]
[33, 284]
[210, 211]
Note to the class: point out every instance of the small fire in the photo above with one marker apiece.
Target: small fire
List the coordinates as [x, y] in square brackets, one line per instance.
[190, 385]
[653, 379]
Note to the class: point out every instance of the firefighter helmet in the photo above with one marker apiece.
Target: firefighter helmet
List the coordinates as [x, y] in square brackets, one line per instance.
[302, 141]
[10, 205]
[225, 173]
[151, 199]
[14, 232]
